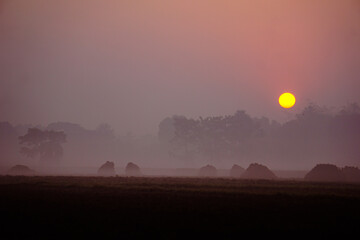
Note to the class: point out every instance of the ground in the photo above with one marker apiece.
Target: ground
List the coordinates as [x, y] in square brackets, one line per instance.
[168, 208]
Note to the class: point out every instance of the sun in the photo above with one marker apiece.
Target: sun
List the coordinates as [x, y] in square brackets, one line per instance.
[287, 100]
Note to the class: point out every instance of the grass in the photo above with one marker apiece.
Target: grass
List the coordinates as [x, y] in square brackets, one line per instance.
[166, 207]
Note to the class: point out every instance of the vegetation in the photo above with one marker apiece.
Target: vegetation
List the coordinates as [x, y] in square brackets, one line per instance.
[46, 144]
[315, 135]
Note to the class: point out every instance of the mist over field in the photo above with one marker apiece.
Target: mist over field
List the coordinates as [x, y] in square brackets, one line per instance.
[315, 136]
[182, 84]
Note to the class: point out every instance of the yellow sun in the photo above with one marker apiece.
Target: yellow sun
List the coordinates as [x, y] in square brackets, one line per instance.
[287, 100]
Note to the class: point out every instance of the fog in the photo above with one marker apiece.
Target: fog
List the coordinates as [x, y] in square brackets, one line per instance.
[316, 135]
[107, 73]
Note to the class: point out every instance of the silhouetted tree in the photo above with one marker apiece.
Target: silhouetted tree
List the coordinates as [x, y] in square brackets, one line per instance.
[315, 134]
[43, 143]
[186, 137]
[166, 130]
[212, 138]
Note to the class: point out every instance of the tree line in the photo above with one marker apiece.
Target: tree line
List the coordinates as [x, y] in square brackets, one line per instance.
[316, 135]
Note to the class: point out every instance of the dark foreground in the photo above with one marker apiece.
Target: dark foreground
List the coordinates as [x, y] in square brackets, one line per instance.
[120, 207]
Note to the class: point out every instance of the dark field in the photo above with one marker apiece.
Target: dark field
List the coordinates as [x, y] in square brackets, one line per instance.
[117, 207]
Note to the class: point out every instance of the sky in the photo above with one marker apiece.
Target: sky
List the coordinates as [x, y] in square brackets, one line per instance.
[132, 63]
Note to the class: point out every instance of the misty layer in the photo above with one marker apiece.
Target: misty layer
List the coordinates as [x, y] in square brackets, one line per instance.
[315, 136]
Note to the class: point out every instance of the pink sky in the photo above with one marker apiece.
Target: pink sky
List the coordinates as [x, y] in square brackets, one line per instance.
[133, 63]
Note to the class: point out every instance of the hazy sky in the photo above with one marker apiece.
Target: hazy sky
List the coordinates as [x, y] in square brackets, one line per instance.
[133, 63]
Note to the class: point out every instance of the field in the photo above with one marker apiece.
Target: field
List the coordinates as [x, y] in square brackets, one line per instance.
[174, 207]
